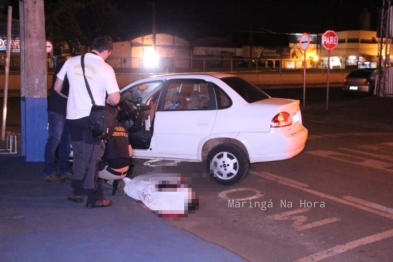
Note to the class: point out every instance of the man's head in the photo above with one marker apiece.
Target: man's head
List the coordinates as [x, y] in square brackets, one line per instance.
[103, 45]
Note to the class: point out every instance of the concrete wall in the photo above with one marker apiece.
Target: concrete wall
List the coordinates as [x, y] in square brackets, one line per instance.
[268, 79]
[289, 78]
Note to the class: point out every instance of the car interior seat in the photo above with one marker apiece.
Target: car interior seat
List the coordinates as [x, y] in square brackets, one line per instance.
[179, 102]
[198, 101]
[195, 99]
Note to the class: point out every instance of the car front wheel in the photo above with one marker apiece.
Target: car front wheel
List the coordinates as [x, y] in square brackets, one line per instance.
[227, 164]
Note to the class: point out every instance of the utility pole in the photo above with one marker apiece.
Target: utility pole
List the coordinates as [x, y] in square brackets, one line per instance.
[384, 48]
[153, 31]
[250, 61]
[34, 117]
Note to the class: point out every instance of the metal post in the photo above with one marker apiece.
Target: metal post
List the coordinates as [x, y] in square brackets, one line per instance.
[327, 82]
[6, 73]
[304, 79]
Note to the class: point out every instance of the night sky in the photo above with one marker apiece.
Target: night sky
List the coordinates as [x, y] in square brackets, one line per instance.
[192, 19]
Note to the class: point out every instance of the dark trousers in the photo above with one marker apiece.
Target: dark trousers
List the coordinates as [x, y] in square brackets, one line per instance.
[58, 139]
[87, 154]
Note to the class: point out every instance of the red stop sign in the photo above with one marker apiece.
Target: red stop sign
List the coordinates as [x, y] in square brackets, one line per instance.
[329, 40]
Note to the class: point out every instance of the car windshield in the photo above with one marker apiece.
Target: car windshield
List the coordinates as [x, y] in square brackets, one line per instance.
[249, 92]
[141, 92]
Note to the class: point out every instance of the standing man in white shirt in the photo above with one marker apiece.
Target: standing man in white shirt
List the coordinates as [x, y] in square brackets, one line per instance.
[87, 151]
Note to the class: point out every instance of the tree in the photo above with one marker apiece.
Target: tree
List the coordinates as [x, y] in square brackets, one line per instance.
[78, 22]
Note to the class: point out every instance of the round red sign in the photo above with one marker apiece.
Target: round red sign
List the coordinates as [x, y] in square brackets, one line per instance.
[304, 41]
[329, 40]
[49, 46]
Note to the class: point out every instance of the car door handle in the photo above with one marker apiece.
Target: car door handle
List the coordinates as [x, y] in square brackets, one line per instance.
[202, 122]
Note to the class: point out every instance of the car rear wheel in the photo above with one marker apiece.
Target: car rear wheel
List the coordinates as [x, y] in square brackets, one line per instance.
[227, 164]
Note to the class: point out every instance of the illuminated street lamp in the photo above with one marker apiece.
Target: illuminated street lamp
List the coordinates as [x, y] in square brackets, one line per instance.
[150, 59]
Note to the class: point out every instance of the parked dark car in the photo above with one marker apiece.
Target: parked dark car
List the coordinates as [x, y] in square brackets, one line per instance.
[360, 81]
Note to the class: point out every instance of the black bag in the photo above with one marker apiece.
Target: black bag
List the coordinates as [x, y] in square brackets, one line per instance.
[65, 88]
[103, 119]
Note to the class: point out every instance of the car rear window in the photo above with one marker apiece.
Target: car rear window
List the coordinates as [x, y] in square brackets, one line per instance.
[249, 92]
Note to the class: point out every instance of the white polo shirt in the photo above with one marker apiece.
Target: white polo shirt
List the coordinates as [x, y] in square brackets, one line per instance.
[100, 76]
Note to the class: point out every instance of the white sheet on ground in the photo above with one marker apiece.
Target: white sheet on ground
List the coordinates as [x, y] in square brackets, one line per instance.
[164, 200]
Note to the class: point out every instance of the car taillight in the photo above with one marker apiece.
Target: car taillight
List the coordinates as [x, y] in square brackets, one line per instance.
[281, 119]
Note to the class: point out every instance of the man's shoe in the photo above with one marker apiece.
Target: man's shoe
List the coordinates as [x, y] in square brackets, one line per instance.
[55, 179]
[75, 198]
[100, 203]
[66, 175]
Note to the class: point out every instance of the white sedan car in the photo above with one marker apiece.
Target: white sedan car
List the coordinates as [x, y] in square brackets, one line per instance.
[219, 119]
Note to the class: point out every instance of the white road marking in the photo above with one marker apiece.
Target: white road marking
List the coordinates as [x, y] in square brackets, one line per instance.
[388, 144]
[323, 195]
[284, 180]
[312, 137]
[345, 247]
[369, 204]
[359, 160]
[385, 148]
[257, 194]
[367, 153]
[317, 223]
[299, 220]
[286, 215]
[340, 248]
[370, 147]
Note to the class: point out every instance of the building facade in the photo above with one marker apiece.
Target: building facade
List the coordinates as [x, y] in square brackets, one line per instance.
[356, 49]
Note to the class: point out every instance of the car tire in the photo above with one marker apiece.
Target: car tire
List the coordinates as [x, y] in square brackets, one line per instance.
[227, 164]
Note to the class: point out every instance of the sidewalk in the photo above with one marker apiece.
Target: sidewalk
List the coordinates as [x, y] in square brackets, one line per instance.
[38, 223]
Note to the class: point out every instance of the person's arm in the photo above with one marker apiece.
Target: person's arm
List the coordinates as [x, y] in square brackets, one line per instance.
[58, 86]
[113, 99]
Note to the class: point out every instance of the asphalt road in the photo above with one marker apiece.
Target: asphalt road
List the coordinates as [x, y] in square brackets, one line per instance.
[332, 202]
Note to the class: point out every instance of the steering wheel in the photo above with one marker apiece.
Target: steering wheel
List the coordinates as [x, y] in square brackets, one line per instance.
[132, 111]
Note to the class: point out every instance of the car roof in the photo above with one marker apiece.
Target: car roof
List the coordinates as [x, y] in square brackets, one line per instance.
[177, 76]
[363, 72]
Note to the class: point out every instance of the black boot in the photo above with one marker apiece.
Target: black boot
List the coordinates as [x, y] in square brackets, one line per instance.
[114, 186]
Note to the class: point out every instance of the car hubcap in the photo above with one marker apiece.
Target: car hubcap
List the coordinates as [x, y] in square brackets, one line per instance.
[224, 165]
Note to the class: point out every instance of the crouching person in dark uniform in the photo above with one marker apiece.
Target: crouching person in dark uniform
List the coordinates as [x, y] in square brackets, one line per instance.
[117, 159]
